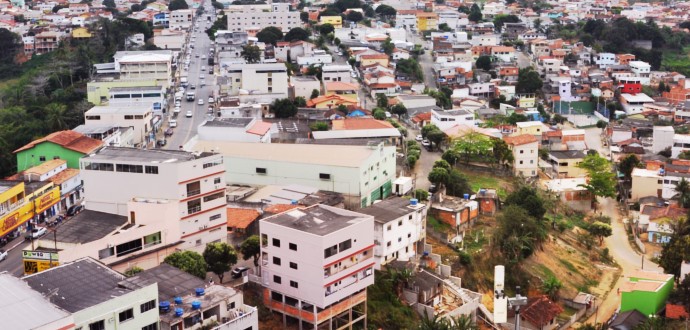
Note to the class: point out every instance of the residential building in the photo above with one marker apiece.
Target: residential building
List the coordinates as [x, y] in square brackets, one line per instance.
[489, 201]
[270, 79]
[565, 163]
[46, 42]
[145, 65]
[26, 308]
[343, 89]
[316, 264]
[303, 86]
[681, 143]
[23, 201]
[525, 150]
[91, 292]
[571, 192]
[646, 292]
[535, 128]
[110, 135]
[662, 138]
[605, 60]
[181, 19]
[458, 213]
[540, 313]
[399, 229]
[336, 21]
[645, 183]
[279, 15]
[67, 145]
[138, 117]
[336, 73]
[633, 104]
[449, 118]
[179, 291]
[363, 174]
[360, 128]
[641, 70]
[427, 21]
[242, 129]
[56, 171]
[117, 179]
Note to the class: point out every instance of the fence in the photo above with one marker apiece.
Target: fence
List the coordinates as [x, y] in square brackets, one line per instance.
[573, 318]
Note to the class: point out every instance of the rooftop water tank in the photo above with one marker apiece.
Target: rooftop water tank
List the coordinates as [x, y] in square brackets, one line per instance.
[164, 306]
[466, 196]
[196, 304]
[178, 300]
[293, 202]
[179, 312]
[199, 292]
[413, 202]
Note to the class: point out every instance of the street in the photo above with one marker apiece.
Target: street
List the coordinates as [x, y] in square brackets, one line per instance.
[426, 61]
[13, 264]
[523, 60]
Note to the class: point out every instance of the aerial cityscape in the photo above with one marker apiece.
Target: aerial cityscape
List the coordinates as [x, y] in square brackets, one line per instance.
[463, 165]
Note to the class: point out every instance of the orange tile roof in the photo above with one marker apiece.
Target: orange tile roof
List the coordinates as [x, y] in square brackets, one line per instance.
[241, 218]
[374, 57]
[68, 140]
[676, 312]
[341, 86]
[337, 98]
[63, 176]
[45, 167]
[389, 85]
[426, 116]
[359, 123]
[279, 208]
[520, 139]
[540, 310]
[260, 128]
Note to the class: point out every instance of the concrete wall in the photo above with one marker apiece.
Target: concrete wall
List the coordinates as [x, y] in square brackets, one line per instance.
[109, 310]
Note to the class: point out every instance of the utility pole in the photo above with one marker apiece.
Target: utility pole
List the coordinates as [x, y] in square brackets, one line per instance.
[516, 302]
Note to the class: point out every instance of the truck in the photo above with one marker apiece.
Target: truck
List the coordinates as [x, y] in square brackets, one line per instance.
[402, 185]
[190, 96]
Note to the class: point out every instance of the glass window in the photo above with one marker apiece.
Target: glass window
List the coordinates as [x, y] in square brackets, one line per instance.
[277, 279]
[214, 196]
[126, 315]
[276, 261]
[152, 326]
[294, 284]
[344, 245]
[98, 325]
[276, 242]
[147, 306]
[293, 265]
[292, 246]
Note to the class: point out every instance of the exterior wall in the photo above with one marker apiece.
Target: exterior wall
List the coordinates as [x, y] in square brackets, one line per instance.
[99, 91]
[181, 18]
[643, 186]
[141, 127]
[237, 134]
[256, 78]
[304, 88]
[336, 21]
[282, 19]
[31, 157]
[110, 309]
[567, 168]
[578, 200]
[526, 159]
[647, 303]
[403, 234]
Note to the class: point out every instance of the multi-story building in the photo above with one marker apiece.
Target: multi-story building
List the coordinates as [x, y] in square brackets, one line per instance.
[427, 21]
[266, 78]
[19, 299]
[46, 42]
[22, 201]
[564, 163]
[399, 229]
[67, 145]
[634, 103]
[645, 183]
[139, 117]
[181, 19]
[641, 70]
[279, 16]
[406, 19]
[336, 73]
[363, 174]
[145, 65]
[525, 150]
[91, 292]
[605, 60]
[449, 118]
[56, 171]
[316, 264]
[191, 182]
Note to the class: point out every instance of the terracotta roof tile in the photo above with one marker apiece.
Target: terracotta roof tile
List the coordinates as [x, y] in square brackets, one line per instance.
[341, 86]
[241, 218]
[45, 167]
[63, 176]
[279, 208]
[520, 139]
[540, 311]
[359, 123]
[69, 140]
[676, 312]
[374, 57]
[260, 128]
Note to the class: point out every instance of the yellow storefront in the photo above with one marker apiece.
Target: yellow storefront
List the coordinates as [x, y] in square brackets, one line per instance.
[28, 210]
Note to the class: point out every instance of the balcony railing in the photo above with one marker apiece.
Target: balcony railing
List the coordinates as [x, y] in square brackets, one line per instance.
[195, 192]
[242, 313]
[193, 210]
[148, 245]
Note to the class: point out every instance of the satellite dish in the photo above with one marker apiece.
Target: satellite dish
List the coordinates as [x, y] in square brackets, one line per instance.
[596, 92]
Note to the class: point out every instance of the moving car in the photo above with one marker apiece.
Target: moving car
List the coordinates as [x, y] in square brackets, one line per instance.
[172, 123]
[168, 132]
[202, 83]
[238, 272]
[210, 99]
[189, 114]
[36, 233]
[192, 86]
[201, 102]
[3, 255]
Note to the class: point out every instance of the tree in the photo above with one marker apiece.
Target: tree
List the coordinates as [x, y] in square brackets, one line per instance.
[442, 164]
[387, 46]
[251, 53]
[177, 4]
[627, 165]
[444, 27]
[436, 138]
[602, 182]
[484, 63]
[411, 68]
[300, 102]
[379, 114]
[677, 250]
[220, 257]
[354, 16]
[475, 14]
[683, 192]
[368, 11]
[595, 163]
[55, 116]
[251, 248]
[421, 194]
[188, 261]
[284, 108]
[457, 183]
[386, 11]
[526, 197]
[319, 126]
[428, 128]
[528, 81]
[600, 230]
[110, 4]
[551, 286]
[326, 28]
[501, 19]
[336, 41]
[438, 176]
[472, 146]
[501, 152]
[297, 33]
[601, 124]
[304, 16]
[270, 35]
[314, 94]
[381, 101]
[518, 233]
[399, 109]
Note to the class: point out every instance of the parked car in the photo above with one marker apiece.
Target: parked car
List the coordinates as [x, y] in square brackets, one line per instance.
[210, 99]
[172, 123]
[161, 142]
[3, 255]
[74, 210]
[426, 143]
[419, 138]
[168, 132]
[238, 272]
[189, 114]
[201, 102]
[36, 233]
[192, 86]
[432, 188]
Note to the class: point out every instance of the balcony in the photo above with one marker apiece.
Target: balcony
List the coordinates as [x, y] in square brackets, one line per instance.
[194, 209]
[4, 210]
[243, 314]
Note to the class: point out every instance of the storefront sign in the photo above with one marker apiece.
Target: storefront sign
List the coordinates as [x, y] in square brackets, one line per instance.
[37, 266]
[47, 200]
[40, 255]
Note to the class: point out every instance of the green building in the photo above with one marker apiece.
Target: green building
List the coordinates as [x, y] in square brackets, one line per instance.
[67, 145]
[646, 292]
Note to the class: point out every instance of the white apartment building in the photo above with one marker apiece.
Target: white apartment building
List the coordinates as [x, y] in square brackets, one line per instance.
[97, 301]
[406, 19]
[399, 229]
[113, 136]
[449, 118]
[270, 79]
[303, 86]
[633, 104]
[681, 143]
[641, 70]
[363, 174]
[662, 138]
[117, 179]
[336, 73]
[453, 19]
[139, 118]
[605, 60]
[279, 16]
[525, 150]
[486, 40]
[181, 19]
[20, 299]
[152, 96]
[145, 65]
[317, 263]
[645, 183]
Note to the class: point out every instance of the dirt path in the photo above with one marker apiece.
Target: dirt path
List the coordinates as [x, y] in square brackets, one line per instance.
[621, 251]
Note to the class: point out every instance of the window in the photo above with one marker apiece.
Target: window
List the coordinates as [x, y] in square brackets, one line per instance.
[522, 151]
[99, 166]
[324, 176]
[128, 247]
[400, 223]
[93, 117]
[520, 162]
[151, 169]
[293, 265]
[193, 188]
[277, 279]
[276, 242]
[261, 170]
[129, 117]
[331, 251]
[216, 181]
[276, 261]
[126, 315]
[214, 217]
[99, 325]
[56, 157]
[294, 284]
[388, 244]
[292, 246]
[152, 326]
[107, 252]
[344, 245]
[127, 168]
[194, 206]
[41, 158]
[153, 239]
[213, 163]
[147, 306]
[214, 196]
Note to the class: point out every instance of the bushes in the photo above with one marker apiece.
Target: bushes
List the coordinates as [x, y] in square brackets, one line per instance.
[413, 152]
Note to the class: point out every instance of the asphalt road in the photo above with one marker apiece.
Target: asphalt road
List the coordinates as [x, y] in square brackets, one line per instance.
[523, 60]
[187, 127]
[13, 263]
[425, 60]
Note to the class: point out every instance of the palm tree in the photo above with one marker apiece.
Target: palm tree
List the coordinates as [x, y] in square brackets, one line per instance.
[434, 323]
[683, 192]
[55, 116]
[463, 322]
[551, 287]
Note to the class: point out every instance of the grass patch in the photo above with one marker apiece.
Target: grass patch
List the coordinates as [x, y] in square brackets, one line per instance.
[569, 265]
[385, 310]
[475, 240]
[438, 226]
[545, 271]
[571, 221]
[478, 181]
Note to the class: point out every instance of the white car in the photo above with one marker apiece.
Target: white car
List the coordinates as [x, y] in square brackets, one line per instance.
[203, 68]
[189, 114]
[210, 99]
[172, 123]
[36, 233]
[202, 76]
[201, 102]
[178, 104]
[419, 137]
[426, 143]
[3, 255]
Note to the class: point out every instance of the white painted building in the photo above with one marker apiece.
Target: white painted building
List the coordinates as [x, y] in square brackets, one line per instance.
[399, 229]
[336, 73]
[363, 173]
[97, 301]
[662, 138]
[117, 179]
[139, 118]
[681, 143]
[181, 19]
[525, 150]
[113, 136]
[145, 65]
[303, 86]
[641, 70]
[449, 118]
[279, 16]
[633, 104]
[319, 57]
[318, 261]
[26, 308]
[270, 79]
[605, 60]
[245, 129]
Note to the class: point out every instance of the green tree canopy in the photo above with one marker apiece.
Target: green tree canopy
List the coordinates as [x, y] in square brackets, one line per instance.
[518, 234]
[528, 81]
[251, 248]
[627, 165]
[354, 16]
[472, 145]
[475, 14]
[326, 28]
[220, 257]
[438, 176]
[399, 109]
[297, 33]
[177, 4]
[600, 230]
[484, 62]
[251, 53]
[270, 35]
[284, 108]
[527, 198]
[387, 46]
[188, 261]
[501, 19]
[386, 11]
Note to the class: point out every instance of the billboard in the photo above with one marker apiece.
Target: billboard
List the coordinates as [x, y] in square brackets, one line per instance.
[47, 200]
[38, 261]
[16, 218]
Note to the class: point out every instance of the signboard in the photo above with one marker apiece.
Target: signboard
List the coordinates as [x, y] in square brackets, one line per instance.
[47, 200]
[14, 219]
[37, 266]
[39, 255]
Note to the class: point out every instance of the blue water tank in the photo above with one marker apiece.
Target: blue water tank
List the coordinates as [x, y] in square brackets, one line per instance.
[413, 201]
[293, 202]
[199, 292]
[466, 196]
[196, 304]
[179, 312]
[178, 300]
[164, 306]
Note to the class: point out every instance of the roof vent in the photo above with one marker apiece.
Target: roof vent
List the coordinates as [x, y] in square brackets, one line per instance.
[178, 300]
